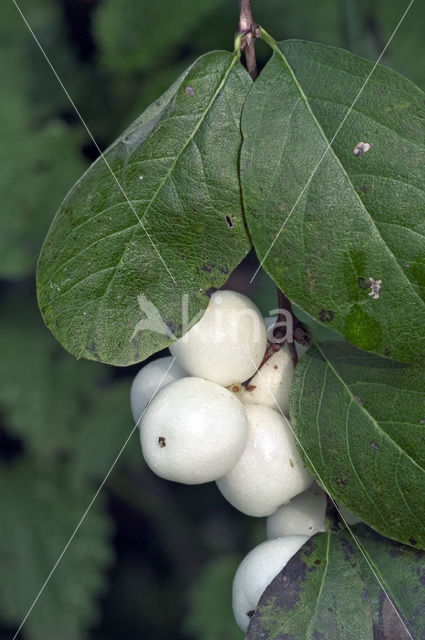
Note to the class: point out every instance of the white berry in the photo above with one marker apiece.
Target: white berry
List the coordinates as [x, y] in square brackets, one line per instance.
[193, 431]
[228, 343]
[271, 384]
[257, 570]
[270, 470]
[150, 379]
[305, 514]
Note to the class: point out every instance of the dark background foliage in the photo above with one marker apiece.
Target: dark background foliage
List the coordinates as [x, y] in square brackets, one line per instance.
[152, 559]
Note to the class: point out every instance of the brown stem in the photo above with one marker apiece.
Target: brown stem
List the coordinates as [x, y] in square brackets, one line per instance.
[280, 335]
[249, 29]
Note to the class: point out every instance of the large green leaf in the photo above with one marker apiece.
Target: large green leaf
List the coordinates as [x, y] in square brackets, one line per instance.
[103, 268]
[361, 421]
[328, 223]
[328, 590]
[39, 513]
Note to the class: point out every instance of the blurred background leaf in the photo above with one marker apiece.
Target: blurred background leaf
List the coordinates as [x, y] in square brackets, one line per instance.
[405, 53]
[42, 514]
[44, 393]
[134, 36]
[63, 421]
[210, 615]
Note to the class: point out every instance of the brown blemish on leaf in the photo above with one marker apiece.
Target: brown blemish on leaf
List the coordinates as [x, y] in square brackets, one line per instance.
[171, 327]
[162, 441]
[251, 387]
[291, 462]
[363, 284]
[359, 400]
[361, 148]
[348, 550]
[326, 315]
[395, 551]
[229, 222]
[391, 627]
[207, 267]
[275, 366]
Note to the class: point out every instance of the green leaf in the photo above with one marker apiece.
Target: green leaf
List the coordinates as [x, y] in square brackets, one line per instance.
[361, 421]
[44, 392]
[39, 515]
[134, 36]
[102, 271]
[210, 615]
[327, 590]
[325, 222]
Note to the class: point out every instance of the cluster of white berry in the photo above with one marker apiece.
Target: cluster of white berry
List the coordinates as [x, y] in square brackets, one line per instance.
[199, 423]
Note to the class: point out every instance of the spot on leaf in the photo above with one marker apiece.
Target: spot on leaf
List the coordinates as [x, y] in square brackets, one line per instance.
[361, 148]
[326, 315]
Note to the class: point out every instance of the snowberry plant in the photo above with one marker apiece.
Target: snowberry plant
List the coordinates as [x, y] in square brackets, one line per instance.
[318, 164]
